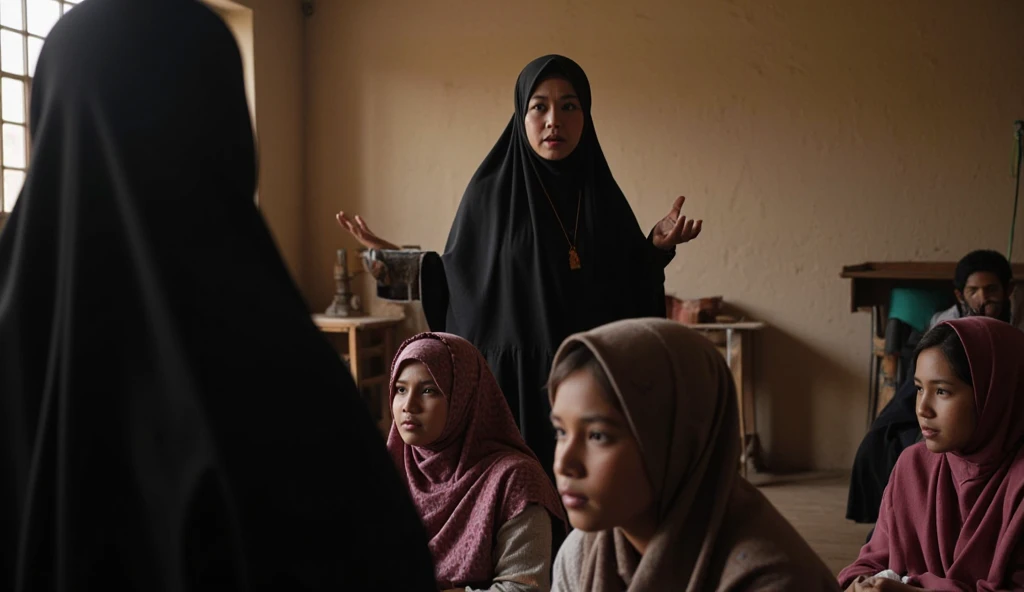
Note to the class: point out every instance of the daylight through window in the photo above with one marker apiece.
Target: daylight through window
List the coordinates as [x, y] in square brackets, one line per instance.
[23, 26]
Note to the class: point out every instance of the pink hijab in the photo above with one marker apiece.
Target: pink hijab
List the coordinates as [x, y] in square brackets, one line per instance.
[479, 474]
[955, 521]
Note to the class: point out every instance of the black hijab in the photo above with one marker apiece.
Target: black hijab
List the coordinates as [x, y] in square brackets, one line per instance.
[170, 417]
[506, 260]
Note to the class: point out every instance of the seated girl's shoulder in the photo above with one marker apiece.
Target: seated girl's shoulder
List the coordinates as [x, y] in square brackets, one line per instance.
[759, 547]
[572, 548]
[565, 574]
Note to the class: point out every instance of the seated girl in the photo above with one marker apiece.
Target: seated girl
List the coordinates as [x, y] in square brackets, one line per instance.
[489, 508]
[951, 517]
[647, 461]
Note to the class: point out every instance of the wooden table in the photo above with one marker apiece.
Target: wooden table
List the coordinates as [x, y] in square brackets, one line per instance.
[368, 348]
[735, 342]
[871, 286]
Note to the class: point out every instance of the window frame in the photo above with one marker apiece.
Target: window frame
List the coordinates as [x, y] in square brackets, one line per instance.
[26, 79]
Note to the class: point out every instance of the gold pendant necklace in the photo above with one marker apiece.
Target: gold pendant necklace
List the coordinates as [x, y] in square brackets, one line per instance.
[574, 257]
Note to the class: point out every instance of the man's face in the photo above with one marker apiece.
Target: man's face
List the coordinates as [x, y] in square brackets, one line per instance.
[984, 295]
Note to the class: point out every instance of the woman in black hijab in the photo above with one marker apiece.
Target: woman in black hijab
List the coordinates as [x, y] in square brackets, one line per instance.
[170, 417]
[544, 245]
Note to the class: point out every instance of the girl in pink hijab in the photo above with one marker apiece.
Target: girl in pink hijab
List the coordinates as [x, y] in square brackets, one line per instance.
[951, 517]
[489, 508]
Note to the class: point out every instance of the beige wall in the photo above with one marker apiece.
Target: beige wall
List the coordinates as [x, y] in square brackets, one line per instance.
[277, 71]
[807, 134]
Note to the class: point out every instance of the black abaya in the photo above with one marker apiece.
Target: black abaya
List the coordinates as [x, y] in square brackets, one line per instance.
[895, 429]
[170, 417]
[504, 280]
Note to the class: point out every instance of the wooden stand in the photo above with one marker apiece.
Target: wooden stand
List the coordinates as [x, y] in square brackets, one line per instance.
[368, 348]
[735, 342]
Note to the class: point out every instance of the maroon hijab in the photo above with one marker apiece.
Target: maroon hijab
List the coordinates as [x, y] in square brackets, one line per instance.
[954, 521]
[479, 473]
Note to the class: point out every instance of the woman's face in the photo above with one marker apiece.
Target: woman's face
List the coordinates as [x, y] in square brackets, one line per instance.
[598, 465]
[419, 409]
[554, 119]
[945, 404]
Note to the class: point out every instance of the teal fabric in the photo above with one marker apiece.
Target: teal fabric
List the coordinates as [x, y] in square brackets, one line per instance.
[915, 306]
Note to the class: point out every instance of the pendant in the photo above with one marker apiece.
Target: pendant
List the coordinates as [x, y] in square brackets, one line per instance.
[574, 258]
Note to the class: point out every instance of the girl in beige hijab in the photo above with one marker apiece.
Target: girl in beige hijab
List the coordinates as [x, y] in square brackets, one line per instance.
[646, 461]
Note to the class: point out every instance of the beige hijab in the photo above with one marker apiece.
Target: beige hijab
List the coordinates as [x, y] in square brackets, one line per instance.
[716, 531]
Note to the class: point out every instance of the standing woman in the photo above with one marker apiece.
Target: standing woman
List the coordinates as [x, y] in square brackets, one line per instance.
[544, 245]
[152, 435]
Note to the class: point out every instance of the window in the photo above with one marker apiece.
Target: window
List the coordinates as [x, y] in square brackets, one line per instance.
[23, 26]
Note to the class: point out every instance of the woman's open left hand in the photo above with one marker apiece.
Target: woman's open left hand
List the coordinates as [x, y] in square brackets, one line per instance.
[674, 229]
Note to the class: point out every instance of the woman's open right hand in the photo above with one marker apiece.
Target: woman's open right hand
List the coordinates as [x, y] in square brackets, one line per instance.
[362, 232]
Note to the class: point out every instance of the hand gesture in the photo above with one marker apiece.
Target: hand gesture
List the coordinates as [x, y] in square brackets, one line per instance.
[362, 232]
[674, 229]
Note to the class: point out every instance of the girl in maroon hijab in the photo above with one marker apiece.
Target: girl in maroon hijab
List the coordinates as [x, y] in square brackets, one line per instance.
[951, 517]
[486, 502]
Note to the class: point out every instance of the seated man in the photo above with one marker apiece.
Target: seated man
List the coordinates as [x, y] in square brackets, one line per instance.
[982, 286]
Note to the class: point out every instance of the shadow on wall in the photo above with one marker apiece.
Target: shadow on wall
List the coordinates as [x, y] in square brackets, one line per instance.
[792, 400]
[334, 173]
